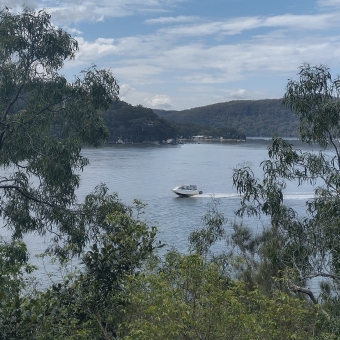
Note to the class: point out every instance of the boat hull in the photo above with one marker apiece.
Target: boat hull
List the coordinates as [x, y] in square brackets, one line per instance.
[183, 194]
[186, 191]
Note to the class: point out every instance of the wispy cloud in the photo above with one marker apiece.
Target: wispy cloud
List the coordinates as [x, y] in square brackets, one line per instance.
[72, 11]
[159, 101]
[172, 20]
[237, 94]
[95, 50]
[17, 5]
[241, 24]
[329, 3]
[178, 60]
[147, 58]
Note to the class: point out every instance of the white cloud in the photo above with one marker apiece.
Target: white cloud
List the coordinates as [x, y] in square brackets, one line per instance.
[18, 5]
[95, 50]
[71, 11]
[73, 31]
[140, 74]
[124, 91]
[171, 20]
[190, 58]
[154, 61]
[204, 78]
[159, 101]
[74, 11]
[105, 41]
[237, 94]
[331, 3]
[241, 24]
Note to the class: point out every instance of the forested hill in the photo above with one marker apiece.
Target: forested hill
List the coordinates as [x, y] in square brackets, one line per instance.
[136, 124]
[252, 117]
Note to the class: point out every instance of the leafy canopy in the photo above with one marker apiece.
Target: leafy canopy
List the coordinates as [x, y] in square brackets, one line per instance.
[44, 122]
[299, 248]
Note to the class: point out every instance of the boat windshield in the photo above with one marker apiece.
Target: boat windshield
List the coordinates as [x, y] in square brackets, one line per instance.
[188, 187]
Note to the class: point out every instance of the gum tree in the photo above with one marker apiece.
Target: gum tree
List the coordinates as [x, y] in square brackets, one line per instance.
[44, 122]
[299, 248]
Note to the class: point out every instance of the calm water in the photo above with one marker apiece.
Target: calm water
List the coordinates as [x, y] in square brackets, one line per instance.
[148, 173]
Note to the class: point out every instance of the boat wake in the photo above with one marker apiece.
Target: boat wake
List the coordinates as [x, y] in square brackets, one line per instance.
[298, 195]
[287, 196]
[217, 195]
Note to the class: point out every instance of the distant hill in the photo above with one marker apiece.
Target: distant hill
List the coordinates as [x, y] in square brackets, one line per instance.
[254, 118]
[139, 124]
[136, 124]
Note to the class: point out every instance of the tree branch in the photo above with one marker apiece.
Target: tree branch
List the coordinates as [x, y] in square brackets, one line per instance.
[297, 289]
[28, 196]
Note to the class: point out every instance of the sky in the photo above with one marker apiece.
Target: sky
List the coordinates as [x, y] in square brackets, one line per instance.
[180, 54]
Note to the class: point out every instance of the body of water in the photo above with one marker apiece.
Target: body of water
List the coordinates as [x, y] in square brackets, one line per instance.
[149, 172]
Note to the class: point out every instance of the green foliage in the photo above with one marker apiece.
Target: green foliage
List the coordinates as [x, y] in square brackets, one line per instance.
[44, 122]
[315, 98]
[202, 240]
[122, 290]
[90, 304]
[184, 297]
[295, 248]
[119, 252]
[190, 298]
[16, 311]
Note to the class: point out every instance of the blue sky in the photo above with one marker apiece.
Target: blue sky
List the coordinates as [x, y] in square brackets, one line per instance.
[180, 54]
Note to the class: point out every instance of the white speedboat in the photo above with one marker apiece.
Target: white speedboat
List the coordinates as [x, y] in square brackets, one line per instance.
[186, 190]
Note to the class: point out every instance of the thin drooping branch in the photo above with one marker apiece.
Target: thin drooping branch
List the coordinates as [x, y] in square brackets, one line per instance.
[34, 199]
[297, 289]
[26, 195]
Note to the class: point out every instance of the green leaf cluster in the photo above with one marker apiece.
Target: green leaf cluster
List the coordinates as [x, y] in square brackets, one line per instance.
[189, 298]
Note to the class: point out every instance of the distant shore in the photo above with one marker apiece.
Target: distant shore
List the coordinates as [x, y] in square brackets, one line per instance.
[208, 140]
